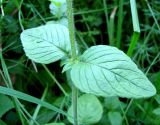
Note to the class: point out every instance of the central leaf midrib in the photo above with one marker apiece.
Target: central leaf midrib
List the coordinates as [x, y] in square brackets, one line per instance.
[51, 42]
[115, 88]
[97, 82]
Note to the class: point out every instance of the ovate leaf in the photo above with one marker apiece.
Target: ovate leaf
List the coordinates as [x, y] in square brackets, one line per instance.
[89, 110]
[107, 71]
[115, 118]
[46, 44]
[6, 104]
[112, 103]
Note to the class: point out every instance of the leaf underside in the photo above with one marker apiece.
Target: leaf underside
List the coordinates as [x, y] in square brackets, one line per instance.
[107, 71]
[46, 44]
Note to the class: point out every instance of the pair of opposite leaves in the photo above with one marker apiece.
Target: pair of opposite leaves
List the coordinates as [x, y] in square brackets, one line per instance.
[101, 70]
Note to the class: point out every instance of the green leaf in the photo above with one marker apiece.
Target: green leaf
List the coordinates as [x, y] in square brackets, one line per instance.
[45, 116]
[112, 103]
[67, 65]
[5, 104]
[46, 44]
[2, 122]
[115, 118]
[106, 71]
[89, 110]
[157, 111]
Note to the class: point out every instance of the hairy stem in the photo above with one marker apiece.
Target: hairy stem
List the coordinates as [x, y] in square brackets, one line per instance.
[73, 49]
[71, 27]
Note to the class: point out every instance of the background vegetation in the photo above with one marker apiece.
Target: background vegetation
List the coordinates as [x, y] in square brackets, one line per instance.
[97, 22]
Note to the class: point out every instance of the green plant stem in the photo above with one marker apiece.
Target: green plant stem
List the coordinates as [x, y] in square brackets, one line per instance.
[27, 113]
[74, 102]
[89, 30]
[38, 107]
[120, 22]
[71, 27]
[37, 12]
[124, 115]
[73, 48]
[82, 40]
[55, 80]
[19, 16]
[96, 10]
[62, 105]
[153, 62]
[150, 9]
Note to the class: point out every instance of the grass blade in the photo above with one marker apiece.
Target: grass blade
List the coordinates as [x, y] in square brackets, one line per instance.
[120, 22]
[111, 27]
[38, 107]
[107, 20]
[26, 97]
[8, 83]
[133, 43]
[135, 20]
[136, 28]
